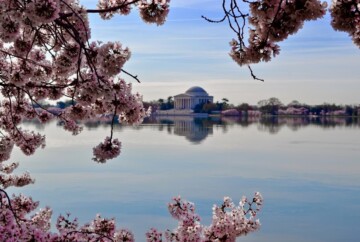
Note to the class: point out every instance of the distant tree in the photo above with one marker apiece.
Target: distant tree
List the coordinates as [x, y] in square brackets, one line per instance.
[357, 110]
[209, 107]
[225, 100]
[162, 105]
[325, 108]
[270, 106]
[273, 101]
[170, 103]
[161, 101]
[224, 103]
[350, 110]
[243, 108]
[294, 104]
[199, 108]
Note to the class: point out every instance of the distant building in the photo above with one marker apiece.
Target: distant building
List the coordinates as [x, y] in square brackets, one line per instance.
[192, 97]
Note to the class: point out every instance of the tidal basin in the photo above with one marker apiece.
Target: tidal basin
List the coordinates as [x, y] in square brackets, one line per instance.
[308, 171]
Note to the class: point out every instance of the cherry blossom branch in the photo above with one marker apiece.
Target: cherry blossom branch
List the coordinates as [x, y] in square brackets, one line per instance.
[214, 21]
[113, 121]
[9, 205]
[129, 74]
[101, 236]
[23, 58]
[112, 9]
[253, 75]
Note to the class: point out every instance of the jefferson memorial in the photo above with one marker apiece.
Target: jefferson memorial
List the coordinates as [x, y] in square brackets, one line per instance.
[185, 103]
[192, 97]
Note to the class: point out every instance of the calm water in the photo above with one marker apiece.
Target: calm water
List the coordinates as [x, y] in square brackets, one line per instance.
[307, 170]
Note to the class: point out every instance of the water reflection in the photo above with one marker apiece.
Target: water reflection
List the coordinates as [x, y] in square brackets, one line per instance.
[275, 124]
[304, 167]
[195, 130]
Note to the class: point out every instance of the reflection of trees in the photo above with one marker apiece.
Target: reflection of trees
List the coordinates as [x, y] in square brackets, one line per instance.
[243, 121]
[96, 124]
[36, 123]
[296, 123]
[332, 122]
[271, 124]
[197, 129]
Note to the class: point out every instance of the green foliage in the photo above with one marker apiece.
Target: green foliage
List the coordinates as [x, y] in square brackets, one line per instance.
[169, 104]
[270, 106]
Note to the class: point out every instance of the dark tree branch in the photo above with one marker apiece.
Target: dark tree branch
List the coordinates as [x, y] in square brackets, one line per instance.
[112, 8]
[129, 74]
[253, 75]
[9, 204]
[214, 21]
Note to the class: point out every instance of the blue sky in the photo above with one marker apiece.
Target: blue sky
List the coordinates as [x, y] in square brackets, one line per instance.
[316, 65]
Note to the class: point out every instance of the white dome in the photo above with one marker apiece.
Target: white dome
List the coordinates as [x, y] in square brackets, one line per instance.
[198, 91]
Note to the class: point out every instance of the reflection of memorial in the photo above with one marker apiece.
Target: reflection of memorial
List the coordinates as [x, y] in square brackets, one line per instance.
[195, 130]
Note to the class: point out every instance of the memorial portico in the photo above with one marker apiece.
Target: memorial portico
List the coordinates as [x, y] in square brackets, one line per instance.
[191, 98]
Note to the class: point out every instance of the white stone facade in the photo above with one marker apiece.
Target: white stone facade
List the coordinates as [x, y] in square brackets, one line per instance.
[191, 98]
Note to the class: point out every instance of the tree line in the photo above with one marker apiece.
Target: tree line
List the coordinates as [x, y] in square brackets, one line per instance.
[270, 106]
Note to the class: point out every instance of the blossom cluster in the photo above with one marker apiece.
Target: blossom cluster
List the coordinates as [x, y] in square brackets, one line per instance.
[151, 11]
[107, 150]
[19, 222]
[228, 221]
[8, 179]
[46, 54]
[122, 7]
[230, 112]
[154, 11]
[346, 17]
[294, 111]
[273, 21]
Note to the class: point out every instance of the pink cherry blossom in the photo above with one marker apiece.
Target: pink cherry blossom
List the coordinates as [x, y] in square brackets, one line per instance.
[346, 17]
[109, 149]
